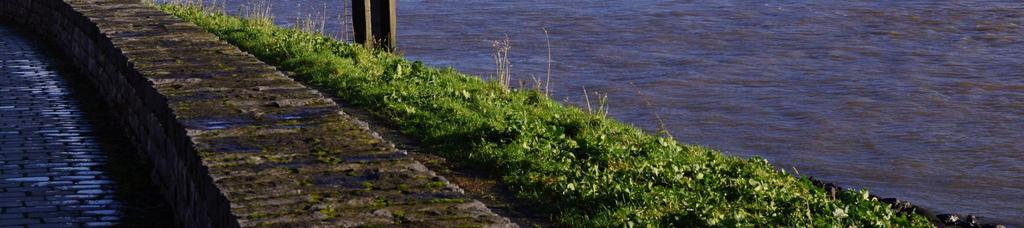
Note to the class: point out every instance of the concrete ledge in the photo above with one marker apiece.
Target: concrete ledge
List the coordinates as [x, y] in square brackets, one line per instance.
[233, 141]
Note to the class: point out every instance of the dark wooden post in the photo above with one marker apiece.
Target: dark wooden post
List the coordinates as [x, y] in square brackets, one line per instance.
[374, 23]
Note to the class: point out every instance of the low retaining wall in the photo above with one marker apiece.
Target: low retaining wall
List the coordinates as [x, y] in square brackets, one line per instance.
[233, 141]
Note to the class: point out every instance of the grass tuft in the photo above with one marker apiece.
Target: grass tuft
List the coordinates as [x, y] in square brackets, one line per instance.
[588, 170]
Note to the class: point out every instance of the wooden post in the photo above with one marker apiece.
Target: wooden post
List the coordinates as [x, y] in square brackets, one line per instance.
[374, 23]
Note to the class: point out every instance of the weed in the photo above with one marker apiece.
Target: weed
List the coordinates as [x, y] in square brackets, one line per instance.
[314, 23]
[502, 64]
[329, 212]
[602, 103]
[314, 198]
[400, 217]
[447, 200]
[436, 184]
[258, 11]
[662, 128]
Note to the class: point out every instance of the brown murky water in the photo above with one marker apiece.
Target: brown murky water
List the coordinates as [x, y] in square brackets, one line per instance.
[920, 100]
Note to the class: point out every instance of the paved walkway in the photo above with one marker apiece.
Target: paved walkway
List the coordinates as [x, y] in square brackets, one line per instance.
[51, 170]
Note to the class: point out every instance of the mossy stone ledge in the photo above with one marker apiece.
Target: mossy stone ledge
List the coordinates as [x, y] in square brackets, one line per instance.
[233, 141]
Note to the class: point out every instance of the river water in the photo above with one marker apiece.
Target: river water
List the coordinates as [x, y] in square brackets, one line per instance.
[919, 100]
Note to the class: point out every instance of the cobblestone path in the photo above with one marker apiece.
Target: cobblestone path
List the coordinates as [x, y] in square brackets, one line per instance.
[50, 163]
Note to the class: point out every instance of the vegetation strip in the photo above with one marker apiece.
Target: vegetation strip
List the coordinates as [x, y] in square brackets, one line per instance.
[590, 170]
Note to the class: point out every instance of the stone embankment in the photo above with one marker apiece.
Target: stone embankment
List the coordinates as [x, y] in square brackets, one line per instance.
[233, 141]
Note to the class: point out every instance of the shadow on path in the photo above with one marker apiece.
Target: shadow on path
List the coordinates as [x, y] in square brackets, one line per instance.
[64, 159]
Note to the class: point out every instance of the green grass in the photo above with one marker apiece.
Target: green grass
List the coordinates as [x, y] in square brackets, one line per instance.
[587, 170]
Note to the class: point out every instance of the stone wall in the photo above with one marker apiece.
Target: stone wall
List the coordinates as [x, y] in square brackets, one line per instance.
[233, 141]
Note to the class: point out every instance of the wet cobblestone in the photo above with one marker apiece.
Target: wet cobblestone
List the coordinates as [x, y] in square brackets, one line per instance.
[50, 162]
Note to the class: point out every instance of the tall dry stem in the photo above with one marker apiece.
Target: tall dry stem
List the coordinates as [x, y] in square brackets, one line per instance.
[536, 83]
[212, 5]
[662, 128]
[314, 23]
[258, 10]
[503, 66]
[587, 98]
[547, 83]
[602, 106]
[602, 103]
